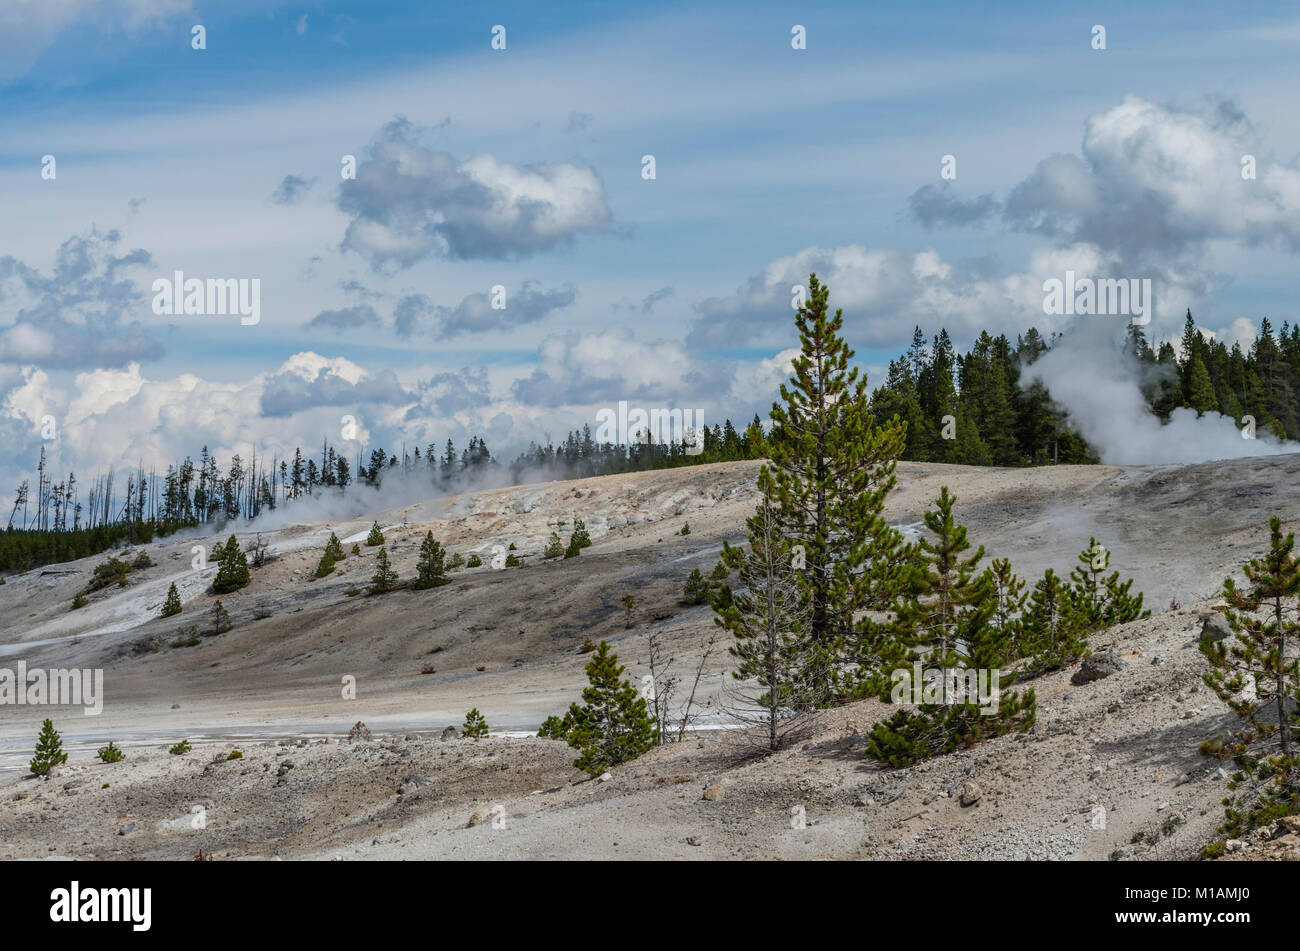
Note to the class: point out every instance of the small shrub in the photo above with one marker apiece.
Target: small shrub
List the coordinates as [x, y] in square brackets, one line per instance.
[512, 561]
[326, 564]
[188, 637]
[474, 562]
[385, 578]
[112, 571]
[181, 748]
[455, 562]
[79, 602]
[512, 547]
[49, 750]
[697, 589]
[359, 731]
[686, 528]
[334, 548]
[554, 728]
[587, 646]
[554, 547]
[111, 753]
[142, 560]
[234, 754]
[171, 606]
[352, 592]
[220, 619]
[431, 568]
[580, 537]
[428, 669]
[475, 726]
[232, 568]
[356, 549]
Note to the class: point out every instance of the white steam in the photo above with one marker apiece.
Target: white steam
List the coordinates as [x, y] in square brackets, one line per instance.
[1098, 384]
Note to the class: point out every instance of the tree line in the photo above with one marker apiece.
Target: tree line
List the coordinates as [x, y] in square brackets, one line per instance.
[976, 408]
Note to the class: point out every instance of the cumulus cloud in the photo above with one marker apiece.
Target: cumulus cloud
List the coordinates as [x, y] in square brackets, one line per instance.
[1151, 183]
[605, 367]
[84, 313]
[447, 394]
[1152, 187]
[409, 202]
[308, 380]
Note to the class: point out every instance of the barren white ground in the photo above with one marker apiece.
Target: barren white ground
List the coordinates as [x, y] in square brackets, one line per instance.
[272, 687]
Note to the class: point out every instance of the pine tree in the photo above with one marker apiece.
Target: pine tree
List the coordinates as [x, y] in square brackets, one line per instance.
[1101, 601]
[613, 725]
[476, 727]
[1054, 632]
[555, 728]
[232, 568]
[431, 569]
[768, 620]
[696, 590]
[1009, 598]
[949, 600]
[326, 564]
[171, 606]
[946, 622]
[574, 549]
[830, 469]
[1200, 390]
[49, 750]
[554, 547]
[1264, 656]
[384, 578]
[376, 537]
[220, 619]
[335, 548]
[580, 537]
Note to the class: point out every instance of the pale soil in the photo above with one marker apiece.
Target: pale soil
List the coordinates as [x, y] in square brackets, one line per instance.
[1177, 530]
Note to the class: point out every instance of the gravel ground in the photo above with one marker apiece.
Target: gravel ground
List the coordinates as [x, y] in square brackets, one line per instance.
[1126, 744]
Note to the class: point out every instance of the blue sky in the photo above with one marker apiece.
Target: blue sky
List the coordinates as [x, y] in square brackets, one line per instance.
[522, 168]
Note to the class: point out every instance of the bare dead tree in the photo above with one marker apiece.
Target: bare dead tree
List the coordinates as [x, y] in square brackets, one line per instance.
[258, 552]
[708, 648]
[662, 684]
[773, 686]
[659, 690]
